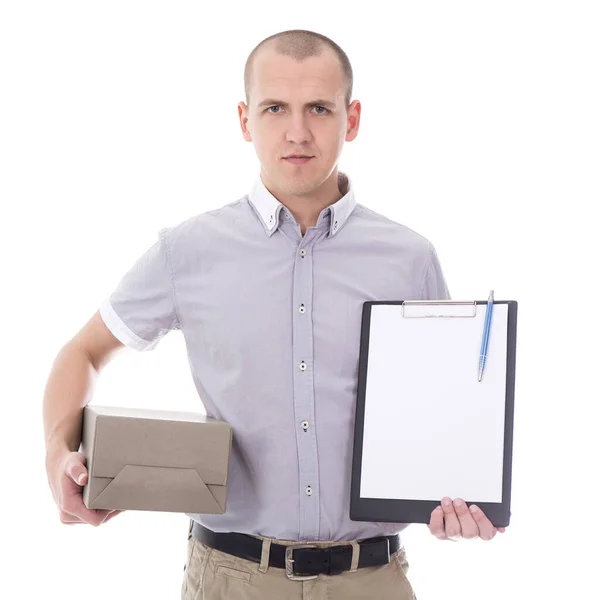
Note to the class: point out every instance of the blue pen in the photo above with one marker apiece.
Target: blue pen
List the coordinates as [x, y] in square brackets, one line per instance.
[486, 333]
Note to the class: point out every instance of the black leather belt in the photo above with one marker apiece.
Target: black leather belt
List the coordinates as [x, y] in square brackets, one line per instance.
[303, 560]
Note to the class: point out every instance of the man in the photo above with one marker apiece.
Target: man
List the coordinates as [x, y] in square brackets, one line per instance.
[268, 293]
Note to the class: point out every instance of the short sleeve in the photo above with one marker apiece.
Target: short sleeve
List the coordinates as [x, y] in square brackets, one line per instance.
[433, 284]
[141, 309]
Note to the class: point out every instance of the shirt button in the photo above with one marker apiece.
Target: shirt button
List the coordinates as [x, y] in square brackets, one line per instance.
[303, 366]
[335, 225]
[302, 309]
[303, 253]
[308, 490]
[287, 216]
[304, 425]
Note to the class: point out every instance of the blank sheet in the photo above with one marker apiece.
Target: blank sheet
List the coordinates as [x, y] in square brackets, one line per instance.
[431, 429]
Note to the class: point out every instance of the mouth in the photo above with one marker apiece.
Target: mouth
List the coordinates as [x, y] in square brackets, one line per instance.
[297, 159]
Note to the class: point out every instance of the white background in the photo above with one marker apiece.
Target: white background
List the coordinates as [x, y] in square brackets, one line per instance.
[480, 130]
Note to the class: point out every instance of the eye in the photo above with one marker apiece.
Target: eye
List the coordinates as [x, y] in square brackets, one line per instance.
[277, 106]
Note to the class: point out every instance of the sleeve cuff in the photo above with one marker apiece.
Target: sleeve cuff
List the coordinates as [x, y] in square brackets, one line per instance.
[121, 331]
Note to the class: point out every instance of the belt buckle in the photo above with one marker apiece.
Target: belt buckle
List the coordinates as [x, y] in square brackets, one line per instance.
[289, 569]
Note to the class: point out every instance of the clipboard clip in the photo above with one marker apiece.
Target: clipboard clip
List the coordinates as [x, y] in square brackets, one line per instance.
[447, 309]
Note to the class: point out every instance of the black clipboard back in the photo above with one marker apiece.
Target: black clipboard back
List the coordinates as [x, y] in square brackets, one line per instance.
[397, 510]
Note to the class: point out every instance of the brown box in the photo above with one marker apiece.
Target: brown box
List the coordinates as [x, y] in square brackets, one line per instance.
[146, 459]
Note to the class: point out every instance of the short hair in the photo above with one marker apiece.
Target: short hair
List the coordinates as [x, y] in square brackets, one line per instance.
[300, 44]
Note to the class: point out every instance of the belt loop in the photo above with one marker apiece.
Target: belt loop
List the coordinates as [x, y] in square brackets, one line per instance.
[264, 557]
[355, 556]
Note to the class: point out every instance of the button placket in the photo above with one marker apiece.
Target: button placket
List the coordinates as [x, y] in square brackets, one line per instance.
[304, 390]
[304, 424]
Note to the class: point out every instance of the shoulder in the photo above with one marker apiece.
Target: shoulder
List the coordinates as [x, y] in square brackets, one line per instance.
[199, 228]
[387, 231]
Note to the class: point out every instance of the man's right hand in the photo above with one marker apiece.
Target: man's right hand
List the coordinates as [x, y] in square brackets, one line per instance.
[66, 475]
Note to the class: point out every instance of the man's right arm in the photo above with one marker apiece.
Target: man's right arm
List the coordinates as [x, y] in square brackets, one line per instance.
[140, 310]
[69, 388]
[71, 383]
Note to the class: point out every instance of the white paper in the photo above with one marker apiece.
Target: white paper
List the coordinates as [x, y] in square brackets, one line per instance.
[431, 428]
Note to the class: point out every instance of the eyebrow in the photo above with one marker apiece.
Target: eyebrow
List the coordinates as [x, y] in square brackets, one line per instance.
[318, 102]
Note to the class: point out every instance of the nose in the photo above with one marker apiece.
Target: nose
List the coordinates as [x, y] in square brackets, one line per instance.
[298, 132]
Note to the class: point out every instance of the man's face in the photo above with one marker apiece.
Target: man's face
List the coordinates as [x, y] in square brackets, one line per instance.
[290, 126]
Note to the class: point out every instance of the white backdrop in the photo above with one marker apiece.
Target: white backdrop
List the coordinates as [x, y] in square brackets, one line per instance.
[480, 130]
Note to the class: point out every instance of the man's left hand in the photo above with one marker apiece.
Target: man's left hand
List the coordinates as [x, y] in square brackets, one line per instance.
[454, 521]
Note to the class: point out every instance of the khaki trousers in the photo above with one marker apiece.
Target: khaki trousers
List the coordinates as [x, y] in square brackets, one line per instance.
[210, 574]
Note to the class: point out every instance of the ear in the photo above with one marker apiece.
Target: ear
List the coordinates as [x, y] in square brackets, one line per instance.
[243, 115]
[353, 120]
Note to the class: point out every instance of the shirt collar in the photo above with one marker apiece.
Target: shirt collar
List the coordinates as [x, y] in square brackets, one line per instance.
[269, 208]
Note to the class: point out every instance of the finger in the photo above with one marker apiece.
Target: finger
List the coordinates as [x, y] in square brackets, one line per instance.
[451, 522]
[75, 468]
[67, 518]
[71, 498]
[72, 503]
[468, 526]
[111, 514]
[486, 530]
[91, 516]
[436, 524]
[501, 529]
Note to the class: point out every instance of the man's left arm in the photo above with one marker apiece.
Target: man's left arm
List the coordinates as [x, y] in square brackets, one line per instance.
[451, 520]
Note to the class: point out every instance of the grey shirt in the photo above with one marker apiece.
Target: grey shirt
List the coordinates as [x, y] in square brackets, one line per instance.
[271, 322]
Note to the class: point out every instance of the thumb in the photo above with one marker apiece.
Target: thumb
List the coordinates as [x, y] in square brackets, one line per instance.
[78, 472]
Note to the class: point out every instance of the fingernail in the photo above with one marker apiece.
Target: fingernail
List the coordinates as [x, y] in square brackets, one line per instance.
[81, 478]
[473, 508]
[458, 502]
[446, 502]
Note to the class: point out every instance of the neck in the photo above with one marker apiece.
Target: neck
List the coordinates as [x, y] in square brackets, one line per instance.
[307, 207]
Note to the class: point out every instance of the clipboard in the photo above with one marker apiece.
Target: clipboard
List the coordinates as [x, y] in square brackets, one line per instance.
[425, 426]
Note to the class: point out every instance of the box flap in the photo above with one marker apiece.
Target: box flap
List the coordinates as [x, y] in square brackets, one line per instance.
[157, 488]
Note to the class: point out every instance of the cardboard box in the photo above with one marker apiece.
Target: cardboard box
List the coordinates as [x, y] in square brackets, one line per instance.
[143, 459]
